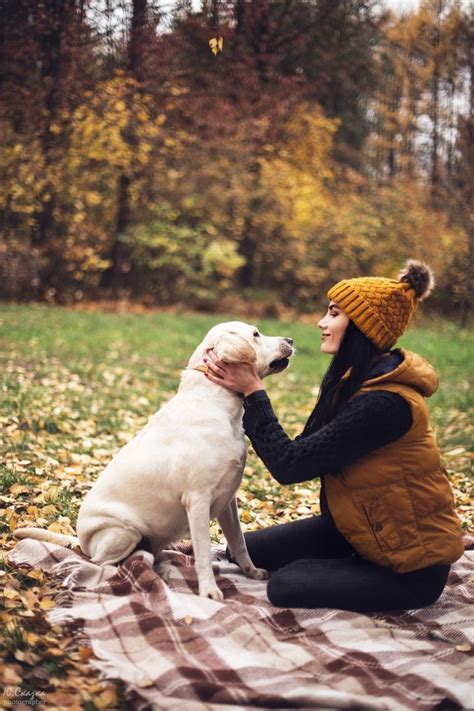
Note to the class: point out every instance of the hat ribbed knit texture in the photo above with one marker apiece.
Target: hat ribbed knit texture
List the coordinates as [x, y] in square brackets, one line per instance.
[381, 308]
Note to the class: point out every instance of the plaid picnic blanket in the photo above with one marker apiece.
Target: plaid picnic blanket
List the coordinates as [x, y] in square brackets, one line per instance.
[175, 650]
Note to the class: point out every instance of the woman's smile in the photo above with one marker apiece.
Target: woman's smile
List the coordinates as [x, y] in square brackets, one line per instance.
[333, 327]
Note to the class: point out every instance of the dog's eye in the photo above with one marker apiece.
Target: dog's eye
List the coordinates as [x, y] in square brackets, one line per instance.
[256, 334]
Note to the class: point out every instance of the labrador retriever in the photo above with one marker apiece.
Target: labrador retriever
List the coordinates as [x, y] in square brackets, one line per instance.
[182, 469]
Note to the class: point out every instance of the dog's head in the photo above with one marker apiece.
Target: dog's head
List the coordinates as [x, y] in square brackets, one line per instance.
[238, 342]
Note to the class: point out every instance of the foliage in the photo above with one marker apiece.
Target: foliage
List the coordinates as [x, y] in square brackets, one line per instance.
[322, 140]
[174, 257]
[373, 229]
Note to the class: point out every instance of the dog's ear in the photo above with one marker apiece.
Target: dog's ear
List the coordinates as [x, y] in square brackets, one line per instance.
[233, 348]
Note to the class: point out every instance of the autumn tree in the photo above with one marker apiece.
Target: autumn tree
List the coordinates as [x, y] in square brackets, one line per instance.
[317, 138]
[46, 53]
[459, 185]
[421, 86]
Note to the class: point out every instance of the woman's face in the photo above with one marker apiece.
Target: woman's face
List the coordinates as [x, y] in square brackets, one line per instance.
[333, 327]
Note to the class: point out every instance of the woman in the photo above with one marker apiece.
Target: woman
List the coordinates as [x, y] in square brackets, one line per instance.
[387, 532]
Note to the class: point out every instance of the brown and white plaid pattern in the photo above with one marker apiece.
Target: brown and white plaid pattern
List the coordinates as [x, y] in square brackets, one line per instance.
[178, 651]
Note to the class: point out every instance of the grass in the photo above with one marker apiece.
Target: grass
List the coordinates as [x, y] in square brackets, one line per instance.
[104, 350]
[81, 383]
[77, 385]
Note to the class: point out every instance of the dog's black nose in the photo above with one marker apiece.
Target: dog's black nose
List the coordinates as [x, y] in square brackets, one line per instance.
[289, 340]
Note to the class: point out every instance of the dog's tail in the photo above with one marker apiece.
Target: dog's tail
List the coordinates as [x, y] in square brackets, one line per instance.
[40, 534]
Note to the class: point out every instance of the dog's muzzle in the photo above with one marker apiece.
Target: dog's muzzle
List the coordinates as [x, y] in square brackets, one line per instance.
[279, 364]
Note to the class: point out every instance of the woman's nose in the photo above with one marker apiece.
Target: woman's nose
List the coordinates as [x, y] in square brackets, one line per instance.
[289, 340]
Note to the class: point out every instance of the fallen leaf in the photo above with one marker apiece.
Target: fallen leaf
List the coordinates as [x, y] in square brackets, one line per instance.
[11, 675]
[47, 604]
[27, 657]
[144, 682]
[107, 698]
[85, 653]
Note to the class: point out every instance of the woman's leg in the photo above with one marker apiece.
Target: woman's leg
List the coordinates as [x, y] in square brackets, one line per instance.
[315, 537]
[354, 584]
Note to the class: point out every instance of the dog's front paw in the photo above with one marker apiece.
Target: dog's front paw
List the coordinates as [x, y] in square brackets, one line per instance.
[165, 570]
[255, 573]
[212, 591]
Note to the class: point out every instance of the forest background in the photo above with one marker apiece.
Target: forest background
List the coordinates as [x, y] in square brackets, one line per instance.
[311, 140]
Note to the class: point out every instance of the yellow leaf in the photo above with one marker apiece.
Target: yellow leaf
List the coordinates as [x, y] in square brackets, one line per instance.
[463, 647]
[56, 651]
[188, 619]
[49, 510]
[47, 604]
[216, 44]
[96, 688]
[29, 598]
[12, 521]
[93, 198]
[19, 489]
[62, 525]
[108, 698]
[27, 657]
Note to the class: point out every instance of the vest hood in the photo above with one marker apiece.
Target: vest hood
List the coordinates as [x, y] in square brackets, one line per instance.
[411, 370]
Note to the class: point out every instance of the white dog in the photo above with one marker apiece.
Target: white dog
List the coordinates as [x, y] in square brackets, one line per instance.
[182, 469]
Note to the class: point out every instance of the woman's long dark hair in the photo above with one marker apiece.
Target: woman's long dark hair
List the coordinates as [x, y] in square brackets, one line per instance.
[356, 352]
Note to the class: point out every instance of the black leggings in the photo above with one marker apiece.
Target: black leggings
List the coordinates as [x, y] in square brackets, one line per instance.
[316, 567]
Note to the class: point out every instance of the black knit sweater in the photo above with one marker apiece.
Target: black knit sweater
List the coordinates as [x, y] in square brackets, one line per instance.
[369, 421]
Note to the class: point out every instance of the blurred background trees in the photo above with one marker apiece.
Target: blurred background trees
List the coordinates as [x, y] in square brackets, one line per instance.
[328, 138]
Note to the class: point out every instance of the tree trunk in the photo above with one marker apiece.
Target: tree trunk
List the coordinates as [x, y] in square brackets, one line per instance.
[44, 227]
[119, 255]
[136, 43]
[247, 245]
[435, 85]
[467, 180]
[435, 131]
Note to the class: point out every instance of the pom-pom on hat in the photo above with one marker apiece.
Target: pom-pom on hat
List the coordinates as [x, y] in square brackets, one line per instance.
[381, 308]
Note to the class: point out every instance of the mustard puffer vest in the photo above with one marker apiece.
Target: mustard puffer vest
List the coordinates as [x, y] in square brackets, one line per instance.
[395, 505]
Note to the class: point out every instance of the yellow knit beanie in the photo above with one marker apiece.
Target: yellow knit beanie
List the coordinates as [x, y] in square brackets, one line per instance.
[381, 308]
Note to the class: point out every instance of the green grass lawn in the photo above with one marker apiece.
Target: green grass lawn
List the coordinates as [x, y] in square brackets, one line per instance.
[77, 385]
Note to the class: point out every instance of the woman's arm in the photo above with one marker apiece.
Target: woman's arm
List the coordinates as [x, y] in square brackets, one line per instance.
[367, 422]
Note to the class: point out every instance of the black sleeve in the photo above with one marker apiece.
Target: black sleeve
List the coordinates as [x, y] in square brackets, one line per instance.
[369, 421]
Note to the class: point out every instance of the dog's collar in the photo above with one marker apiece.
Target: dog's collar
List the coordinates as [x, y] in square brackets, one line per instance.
[201, 367]
[205, 369]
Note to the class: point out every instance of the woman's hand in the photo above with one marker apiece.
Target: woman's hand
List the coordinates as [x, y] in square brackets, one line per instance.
[240, 377]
